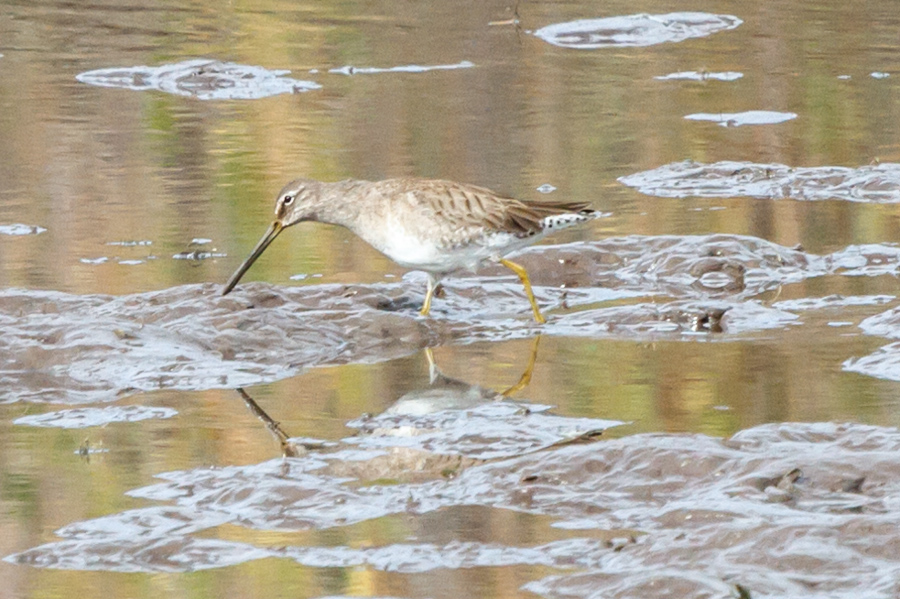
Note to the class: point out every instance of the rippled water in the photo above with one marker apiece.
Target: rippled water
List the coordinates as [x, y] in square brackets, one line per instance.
[709, 411]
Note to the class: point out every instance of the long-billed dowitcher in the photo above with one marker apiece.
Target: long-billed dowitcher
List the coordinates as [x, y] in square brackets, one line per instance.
[431, 225]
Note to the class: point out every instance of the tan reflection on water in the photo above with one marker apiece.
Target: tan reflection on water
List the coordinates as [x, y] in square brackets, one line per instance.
[96, 165]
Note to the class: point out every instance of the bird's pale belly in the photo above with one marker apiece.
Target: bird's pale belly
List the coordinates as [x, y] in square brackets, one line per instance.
[412, 252]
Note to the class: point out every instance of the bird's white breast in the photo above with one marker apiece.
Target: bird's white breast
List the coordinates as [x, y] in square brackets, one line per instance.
[405, 247]
[410, 248]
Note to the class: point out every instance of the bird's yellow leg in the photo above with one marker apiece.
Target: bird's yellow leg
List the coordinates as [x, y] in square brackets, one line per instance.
[525, 379]
[523, 276]
[426, 307]
[433, 370]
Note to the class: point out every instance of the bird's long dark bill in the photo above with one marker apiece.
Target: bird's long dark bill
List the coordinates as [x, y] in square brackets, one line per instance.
[274, 229]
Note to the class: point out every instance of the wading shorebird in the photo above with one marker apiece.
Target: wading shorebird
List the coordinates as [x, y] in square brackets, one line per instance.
[436, 226]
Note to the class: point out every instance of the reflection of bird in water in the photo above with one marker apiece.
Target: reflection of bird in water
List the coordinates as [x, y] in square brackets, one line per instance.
[436, 226]
[437, 432]
[289, 448]
[442, 393]
[445, 393]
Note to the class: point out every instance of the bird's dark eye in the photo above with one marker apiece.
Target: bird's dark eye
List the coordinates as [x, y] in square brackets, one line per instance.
[288, 200]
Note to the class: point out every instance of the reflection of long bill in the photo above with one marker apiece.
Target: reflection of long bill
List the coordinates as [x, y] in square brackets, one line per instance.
[274, 229]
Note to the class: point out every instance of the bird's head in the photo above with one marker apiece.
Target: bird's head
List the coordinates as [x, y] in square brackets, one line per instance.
[298, 201]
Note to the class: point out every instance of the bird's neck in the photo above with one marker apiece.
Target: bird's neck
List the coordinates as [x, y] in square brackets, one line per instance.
[341, 202]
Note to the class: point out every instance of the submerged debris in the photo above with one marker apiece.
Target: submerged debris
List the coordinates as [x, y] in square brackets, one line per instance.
[19, 229]
[188, 337]
[201, 78]
[635, 30]
[87, 417]
[738, 119]
[410, 68]
[876, 184]
[655, 515]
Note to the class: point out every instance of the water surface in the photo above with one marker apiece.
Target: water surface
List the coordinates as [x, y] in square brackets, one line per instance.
[710, 409]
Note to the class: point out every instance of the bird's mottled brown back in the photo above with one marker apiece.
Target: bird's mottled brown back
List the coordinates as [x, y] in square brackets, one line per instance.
[470, 206]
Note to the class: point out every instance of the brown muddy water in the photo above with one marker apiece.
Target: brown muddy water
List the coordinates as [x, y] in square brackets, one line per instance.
[710, 411]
